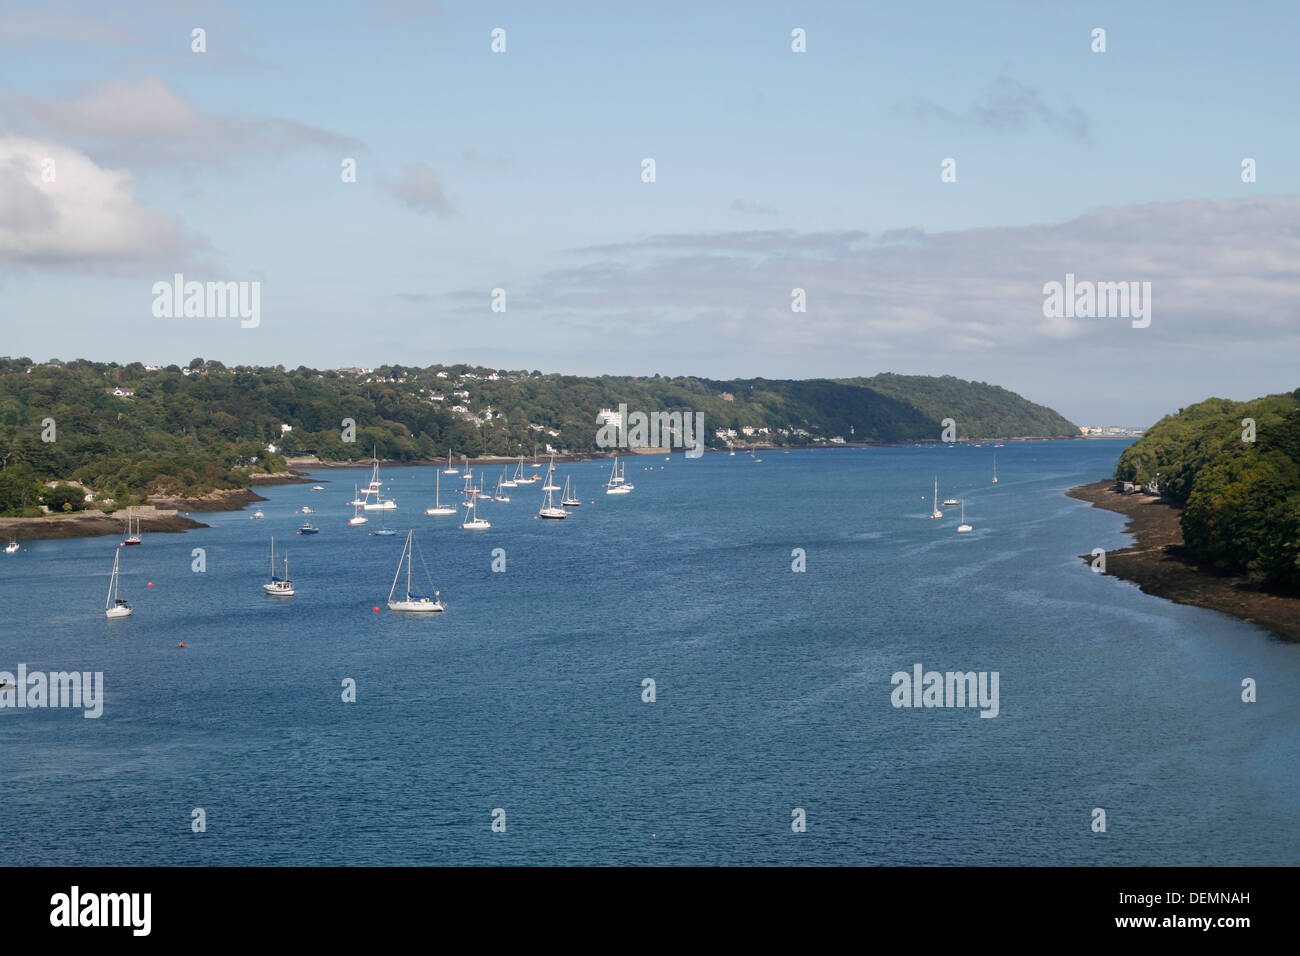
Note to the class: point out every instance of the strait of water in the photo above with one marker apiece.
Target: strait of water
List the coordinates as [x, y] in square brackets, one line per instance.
[772, 687]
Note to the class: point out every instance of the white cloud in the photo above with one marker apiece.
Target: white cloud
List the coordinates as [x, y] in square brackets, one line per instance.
[1221, 271]
[87, 219]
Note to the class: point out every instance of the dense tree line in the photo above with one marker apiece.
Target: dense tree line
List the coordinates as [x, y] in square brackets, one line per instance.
[1240, 483]
[205, 426]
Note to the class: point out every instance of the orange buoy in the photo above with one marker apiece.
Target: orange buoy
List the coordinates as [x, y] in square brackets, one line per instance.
[181, 644]
[376, 608]
[150, 584]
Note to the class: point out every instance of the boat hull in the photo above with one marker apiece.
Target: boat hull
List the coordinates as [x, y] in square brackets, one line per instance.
[417, 607]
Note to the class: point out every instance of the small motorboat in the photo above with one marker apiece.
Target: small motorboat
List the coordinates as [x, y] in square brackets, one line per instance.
[309, 528]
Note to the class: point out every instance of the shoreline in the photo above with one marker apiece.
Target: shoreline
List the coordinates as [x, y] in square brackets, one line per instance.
[93, 524]
[1159, 565]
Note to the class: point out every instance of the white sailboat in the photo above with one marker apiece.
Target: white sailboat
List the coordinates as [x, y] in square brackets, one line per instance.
[549, 508]
[934, 502]
[472, 521]
[995, 469]
[570, 498]
[375, 488]
[550, 482]
[114, 606]
[501, 484]
[132, 531]
[357, 516]
[449, 470]
[279, 586]
[622, 478]
[964, 526]
[438, 507]
[410, 601]
[617, 485]
[507, 482]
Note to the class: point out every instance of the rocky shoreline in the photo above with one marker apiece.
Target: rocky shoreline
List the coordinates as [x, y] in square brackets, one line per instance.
[1160, 565]
[93, 524]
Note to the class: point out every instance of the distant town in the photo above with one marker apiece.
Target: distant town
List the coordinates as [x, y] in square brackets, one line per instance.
[1110, 431]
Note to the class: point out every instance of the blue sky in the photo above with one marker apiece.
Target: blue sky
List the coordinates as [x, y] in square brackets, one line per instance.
[775, 170]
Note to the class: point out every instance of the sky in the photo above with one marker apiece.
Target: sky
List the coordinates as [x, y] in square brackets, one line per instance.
[127, 157]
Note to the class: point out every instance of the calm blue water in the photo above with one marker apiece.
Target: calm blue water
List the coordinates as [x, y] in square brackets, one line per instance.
[773, 687]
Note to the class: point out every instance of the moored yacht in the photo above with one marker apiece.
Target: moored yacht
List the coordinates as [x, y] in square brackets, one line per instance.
[410, 601]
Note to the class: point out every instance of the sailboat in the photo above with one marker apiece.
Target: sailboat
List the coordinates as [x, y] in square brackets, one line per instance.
[622, 478]
[114, 606]
[357, 516]
[501, 484]
[411, 601]
[550, 482]
[934, 502]
[519, 478]
[449, 470]
[132, 534]
[549, 508]
[380, 503]
[438, 507]
[617, 484]
[472, 521]
[570, 498]
[995, 469]
[277, 586]
[964, 526]
[505, 481]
